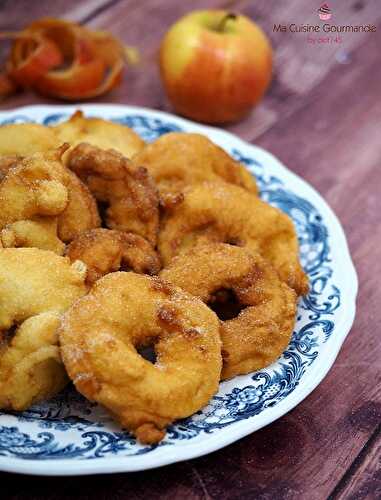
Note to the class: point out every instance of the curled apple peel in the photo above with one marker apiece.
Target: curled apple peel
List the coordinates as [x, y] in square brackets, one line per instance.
[65, 60]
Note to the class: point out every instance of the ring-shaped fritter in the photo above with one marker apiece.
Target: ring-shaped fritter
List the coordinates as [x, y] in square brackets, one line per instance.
[104, 134]
[25, 139]
[221, 212]
[257, 309]
[100, 337]
[177, 160]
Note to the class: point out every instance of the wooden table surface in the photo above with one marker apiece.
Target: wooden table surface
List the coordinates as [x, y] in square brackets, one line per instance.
[322, 118]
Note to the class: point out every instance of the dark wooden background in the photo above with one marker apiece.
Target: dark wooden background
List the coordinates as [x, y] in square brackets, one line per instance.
[322, 118]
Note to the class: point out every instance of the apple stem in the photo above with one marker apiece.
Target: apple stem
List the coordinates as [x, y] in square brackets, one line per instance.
[224, 20]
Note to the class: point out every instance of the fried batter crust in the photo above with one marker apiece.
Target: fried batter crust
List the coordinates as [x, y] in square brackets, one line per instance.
[262, 330]
[100, 335]
[36, 287]
[129, 191]
[104, 134]
[107, 250]
[221, 212]
[32, 196]
[81, 213]
[25, 139]
[7, 162]
[176, 160]
[42, 203]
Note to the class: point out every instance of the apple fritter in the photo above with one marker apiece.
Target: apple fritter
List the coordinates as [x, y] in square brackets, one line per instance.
[25, 139]
[42, 203]
[221, 212]
[107, 250]
[104, 134]
[128, 191]
[256, 309]
[36, 287]
[101, 336]
[177, 160]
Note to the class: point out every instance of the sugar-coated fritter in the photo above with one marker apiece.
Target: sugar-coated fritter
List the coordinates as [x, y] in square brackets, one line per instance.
[221, 212]
[128, 191]
[100, 337]
[223, 305]
[42, 203]
[25, 139]
[107, 250]
[176, 160]
[102, 133]
[36, 287]
[81, 213]
[32, 196]
[256, 308]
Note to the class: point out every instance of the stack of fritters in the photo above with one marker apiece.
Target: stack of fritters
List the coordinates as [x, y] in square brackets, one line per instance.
[168, 249]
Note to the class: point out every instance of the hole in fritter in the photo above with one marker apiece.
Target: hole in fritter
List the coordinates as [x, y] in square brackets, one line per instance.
[124, 266]
[147, 351]
[225, 304]
[236, 242]
[6, 336]
[102, 210]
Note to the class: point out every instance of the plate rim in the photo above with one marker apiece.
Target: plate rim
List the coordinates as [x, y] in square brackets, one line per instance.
[237, 430]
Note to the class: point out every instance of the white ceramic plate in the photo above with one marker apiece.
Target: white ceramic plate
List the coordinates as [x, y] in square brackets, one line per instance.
[69, 436]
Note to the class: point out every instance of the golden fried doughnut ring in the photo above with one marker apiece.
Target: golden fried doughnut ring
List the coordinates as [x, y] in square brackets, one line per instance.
[36, 287]
[129, 191]
[25, 139]
[107, 250]
[43, 204]
[104, 134]
[100, 335]
[176, 160]
[221, 212]
[258, 328]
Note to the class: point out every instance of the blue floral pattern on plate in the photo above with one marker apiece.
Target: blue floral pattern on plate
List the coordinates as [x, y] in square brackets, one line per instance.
[70, 427]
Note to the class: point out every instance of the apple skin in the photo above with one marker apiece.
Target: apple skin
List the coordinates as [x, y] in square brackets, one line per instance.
[215, 73]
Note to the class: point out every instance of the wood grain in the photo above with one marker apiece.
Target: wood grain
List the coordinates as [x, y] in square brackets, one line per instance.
[322, 118]
[363, 479]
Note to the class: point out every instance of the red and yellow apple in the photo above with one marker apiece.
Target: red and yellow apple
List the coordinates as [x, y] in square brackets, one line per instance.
[215, 65]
